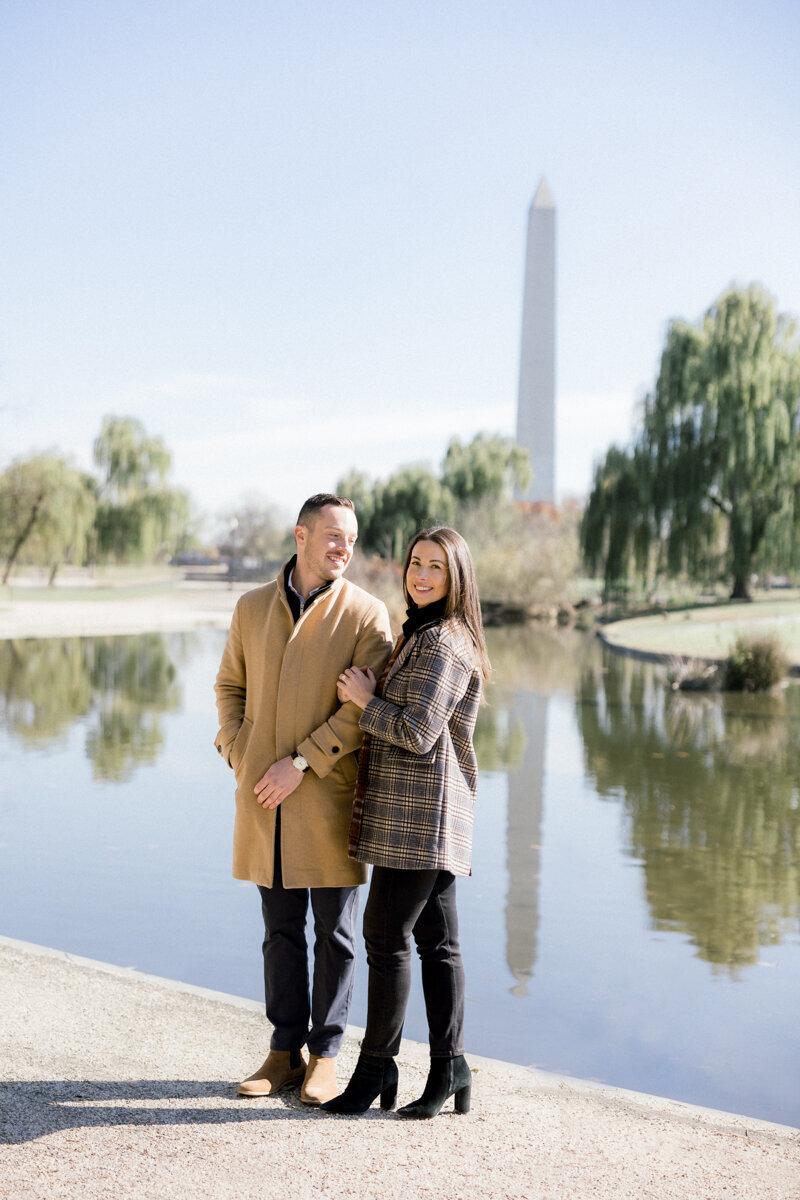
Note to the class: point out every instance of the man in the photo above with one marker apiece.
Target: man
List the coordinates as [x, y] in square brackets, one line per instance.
[291, 745]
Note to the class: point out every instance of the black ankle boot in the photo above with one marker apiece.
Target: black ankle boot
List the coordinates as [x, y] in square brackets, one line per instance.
[374, 1076]
[447, 1077]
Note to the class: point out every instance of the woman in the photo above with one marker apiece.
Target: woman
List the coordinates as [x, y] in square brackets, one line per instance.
[412, 819]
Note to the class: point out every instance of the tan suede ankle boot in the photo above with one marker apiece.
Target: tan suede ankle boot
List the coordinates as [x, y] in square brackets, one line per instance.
[275, 1072]
[319, 1084]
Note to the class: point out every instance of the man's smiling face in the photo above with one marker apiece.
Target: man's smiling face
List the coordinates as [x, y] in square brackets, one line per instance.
[325, 546]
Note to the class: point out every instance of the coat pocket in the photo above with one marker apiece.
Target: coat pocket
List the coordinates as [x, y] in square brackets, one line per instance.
[240, 744]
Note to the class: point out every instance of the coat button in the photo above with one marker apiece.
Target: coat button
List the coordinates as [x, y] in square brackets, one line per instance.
[219, 749]
[334, 749]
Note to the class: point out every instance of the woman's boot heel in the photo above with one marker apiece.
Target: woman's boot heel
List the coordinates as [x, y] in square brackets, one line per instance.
[374, 1076]
[447, 1077]
[389, 1093]
[462, 1098]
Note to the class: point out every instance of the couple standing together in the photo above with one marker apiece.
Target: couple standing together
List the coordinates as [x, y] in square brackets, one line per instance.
[309, 676]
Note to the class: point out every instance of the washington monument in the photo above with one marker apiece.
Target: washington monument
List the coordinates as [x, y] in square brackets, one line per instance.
[536, 402]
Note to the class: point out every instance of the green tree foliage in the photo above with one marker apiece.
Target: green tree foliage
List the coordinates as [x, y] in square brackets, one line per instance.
[139, 517]
[390, 512]
[490, 467]
[365, 494]
[713, 476]
[46, 511]
[410, 498]
[130, 462]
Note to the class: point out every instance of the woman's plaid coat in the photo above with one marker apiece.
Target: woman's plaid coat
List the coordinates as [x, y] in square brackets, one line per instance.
[422, 772]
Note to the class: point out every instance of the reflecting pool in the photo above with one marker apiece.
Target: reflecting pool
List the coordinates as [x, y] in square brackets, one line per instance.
[634, 911]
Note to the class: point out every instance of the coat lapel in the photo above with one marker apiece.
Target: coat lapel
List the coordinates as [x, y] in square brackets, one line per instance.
[401, 658]
[406, 650]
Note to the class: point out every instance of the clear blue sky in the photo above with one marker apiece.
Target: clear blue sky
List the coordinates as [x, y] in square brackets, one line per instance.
[288, 236]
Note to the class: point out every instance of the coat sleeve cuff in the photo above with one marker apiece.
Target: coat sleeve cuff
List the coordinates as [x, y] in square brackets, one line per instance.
[224, 739]
[321, 759]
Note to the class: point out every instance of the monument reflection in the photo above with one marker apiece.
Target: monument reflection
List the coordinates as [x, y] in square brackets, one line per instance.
[530, 665]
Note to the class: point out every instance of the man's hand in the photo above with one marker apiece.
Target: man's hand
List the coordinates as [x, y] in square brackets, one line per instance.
[279, 782]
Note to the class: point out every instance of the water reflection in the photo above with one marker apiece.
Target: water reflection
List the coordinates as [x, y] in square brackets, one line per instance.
[710, 787]
[530, 659]
[577, 925]
[523, 841]
[120, 687]
[511, 736]
[709, 784]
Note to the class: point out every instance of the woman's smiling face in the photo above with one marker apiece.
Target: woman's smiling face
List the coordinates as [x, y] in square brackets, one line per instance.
[427, 577]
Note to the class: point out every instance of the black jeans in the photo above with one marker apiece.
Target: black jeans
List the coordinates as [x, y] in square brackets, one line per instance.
[289, 1006]
[422, 903]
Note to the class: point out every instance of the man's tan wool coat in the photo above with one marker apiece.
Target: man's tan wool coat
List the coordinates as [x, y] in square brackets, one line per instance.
[276, 693]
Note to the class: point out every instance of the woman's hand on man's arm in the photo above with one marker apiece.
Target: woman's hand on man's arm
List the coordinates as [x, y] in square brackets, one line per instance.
[357, 684]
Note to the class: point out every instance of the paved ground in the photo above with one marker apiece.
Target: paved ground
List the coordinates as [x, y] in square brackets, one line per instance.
[117, 1084]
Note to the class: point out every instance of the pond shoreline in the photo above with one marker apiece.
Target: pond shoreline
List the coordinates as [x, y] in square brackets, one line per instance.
[704, 633]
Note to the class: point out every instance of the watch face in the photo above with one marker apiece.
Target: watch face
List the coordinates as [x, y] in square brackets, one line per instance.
[300, 762]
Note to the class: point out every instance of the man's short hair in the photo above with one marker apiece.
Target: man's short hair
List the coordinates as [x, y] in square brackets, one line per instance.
[320, 500]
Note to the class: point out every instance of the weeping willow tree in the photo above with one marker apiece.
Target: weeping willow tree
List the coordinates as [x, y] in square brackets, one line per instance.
[712, 480]
[139, 517]
[46, 511]
[483, 471]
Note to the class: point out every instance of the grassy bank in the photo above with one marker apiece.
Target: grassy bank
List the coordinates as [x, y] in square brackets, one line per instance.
[710, 632]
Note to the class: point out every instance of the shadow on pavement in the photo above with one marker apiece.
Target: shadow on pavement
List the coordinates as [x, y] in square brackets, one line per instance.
[34, 1109]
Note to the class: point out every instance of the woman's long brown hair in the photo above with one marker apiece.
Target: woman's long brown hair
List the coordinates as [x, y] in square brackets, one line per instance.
[463, 603]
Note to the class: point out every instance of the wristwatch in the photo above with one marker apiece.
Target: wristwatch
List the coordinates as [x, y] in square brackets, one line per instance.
[299, 763]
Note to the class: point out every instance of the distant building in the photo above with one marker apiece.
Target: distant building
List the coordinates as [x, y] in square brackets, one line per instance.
[536, 401]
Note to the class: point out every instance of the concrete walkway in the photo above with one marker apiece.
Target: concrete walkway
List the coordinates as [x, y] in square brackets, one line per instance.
[118, 1084]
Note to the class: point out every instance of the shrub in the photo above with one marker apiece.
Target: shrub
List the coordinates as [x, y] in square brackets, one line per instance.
[526, 558]
[755, 664]
[692, 675]
[383, 579]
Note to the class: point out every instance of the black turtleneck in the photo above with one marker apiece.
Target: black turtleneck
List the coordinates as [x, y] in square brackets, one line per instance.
[429, 614]
[297, 604]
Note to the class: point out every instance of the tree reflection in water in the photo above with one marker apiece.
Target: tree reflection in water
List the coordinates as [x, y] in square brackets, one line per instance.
[44, 687]
[119, 686]
[710, 786]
